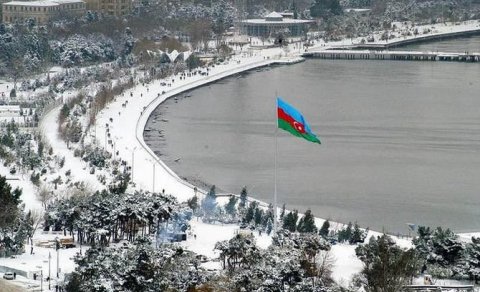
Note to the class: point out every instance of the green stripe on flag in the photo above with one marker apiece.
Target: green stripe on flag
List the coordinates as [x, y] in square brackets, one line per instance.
[282, 124]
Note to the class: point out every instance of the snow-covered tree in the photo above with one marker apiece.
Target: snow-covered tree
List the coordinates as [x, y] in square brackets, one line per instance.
[387, 267]
[15, 225]
[324, 230]
[140, 267]
[306, 224]
[290, 221]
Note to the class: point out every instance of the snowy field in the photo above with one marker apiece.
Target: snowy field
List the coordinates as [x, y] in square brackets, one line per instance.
[126, 122]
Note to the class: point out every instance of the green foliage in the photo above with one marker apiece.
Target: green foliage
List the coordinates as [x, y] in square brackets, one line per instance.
[35, 178]
[387, 267]
[209, 203]
[238, 252]
[193, 203]
[9, 204]
[193, 62]
[282, 212]
[243, 198]
[139, 267]
[258, 216]
[250, 214]
[307, 223]
[324, 230]
[230, 206]
[15, 226]
[346, 233]
[358, 235]
[290, 221]
[120, 183]
[326, 8]
[439, 247]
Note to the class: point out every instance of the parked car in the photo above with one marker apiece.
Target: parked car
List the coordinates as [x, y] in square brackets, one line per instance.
[8, 276]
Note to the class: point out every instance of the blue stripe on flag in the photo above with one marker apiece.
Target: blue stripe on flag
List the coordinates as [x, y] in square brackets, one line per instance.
[294, 113]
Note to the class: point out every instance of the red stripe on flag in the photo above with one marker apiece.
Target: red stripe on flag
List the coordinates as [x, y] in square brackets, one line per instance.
[299, 127]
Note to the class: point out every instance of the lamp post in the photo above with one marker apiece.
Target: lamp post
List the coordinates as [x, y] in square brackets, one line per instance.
[49, 258]
[153, 175]
[133, 158]
[57, 245]
[153, 178]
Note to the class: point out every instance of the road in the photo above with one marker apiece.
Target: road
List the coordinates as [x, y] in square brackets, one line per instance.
[7, 286]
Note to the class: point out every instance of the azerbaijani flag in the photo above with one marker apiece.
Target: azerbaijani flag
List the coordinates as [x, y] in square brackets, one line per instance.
[292, 121]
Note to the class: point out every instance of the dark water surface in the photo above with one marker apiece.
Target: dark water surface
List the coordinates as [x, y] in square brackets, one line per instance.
[401, 140]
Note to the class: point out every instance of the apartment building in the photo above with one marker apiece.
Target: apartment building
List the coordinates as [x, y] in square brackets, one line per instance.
[40, 11]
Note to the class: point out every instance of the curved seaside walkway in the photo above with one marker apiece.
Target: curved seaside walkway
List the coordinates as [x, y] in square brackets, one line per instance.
[126, 123]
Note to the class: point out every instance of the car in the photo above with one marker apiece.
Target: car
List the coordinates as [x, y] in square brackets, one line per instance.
[8, 276]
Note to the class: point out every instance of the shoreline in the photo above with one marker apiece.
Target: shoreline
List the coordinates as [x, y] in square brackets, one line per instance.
[168, 179]
[266, 199]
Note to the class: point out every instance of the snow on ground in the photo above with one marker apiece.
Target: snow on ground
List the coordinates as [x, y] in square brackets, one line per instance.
[435, 29]
[39, 261]
[204, 236]
[126, 122]
[22, 181]
[126, 131]
[80, 171]
[346, 263]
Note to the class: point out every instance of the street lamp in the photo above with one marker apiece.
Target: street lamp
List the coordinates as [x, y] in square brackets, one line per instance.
[153, 176]
[133, 157]
[49, 258]
[57, 246]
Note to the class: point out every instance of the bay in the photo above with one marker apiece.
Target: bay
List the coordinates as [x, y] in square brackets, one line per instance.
[400, 140]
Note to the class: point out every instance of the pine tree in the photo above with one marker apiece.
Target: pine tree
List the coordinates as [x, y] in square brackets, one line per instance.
[472, 259]
[282, 213]
[268, 215]
[269, 226]
[307, 223]
[324, 229]
[387, 267]
[243, 198]
[209, 204]
[290, 221]
[230, 206]
[358, 236]
[193, 203]
[258, 216]
[345, 234]
[250, 214]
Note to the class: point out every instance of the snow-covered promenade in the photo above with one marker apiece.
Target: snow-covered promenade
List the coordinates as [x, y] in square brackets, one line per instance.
[126, 118]
[398, 38]
[126, 122]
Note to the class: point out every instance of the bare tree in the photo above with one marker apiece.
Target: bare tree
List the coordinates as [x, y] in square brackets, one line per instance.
[325, 262]
[44, 194]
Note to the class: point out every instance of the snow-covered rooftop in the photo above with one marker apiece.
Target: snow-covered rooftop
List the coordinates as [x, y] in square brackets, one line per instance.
[32, 3]
[275, 18]
[68, 1]
[284, 21]
[45, 3]
[274, 15]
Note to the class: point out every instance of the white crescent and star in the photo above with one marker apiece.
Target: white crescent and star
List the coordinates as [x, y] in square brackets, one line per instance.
[298, 126]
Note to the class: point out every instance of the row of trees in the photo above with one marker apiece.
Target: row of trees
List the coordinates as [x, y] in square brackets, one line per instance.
[444, 255]
[291, 263]
[16, 226]
[139, 267]
[108, 216]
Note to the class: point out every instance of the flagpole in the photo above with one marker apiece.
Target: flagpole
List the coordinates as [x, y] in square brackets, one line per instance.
[275, 211]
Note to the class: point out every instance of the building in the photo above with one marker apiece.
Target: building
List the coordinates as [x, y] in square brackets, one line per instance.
[275, 24]
[111, 7]
[40, 11]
